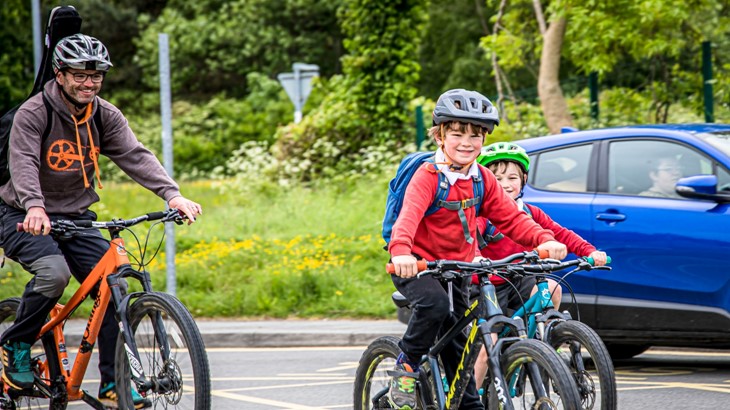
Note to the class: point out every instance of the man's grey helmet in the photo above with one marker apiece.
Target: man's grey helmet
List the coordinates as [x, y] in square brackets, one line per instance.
[81, 52]
[466, 106]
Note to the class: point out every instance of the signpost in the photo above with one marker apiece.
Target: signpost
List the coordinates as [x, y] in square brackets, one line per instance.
[298, 85]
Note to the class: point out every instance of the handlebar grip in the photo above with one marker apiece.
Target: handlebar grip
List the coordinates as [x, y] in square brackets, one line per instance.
[593, 263]
[542, 253]
[153, 216]
[19, 227]
[422, 265]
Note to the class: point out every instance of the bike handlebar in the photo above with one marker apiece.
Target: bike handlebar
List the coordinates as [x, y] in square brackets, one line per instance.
[65, 225]
[532, 262]
[443, 264]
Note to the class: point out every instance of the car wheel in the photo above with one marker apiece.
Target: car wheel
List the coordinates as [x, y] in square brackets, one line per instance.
[619, 351]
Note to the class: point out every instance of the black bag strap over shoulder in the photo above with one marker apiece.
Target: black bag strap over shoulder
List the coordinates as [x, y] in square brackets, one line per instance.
[63, 21]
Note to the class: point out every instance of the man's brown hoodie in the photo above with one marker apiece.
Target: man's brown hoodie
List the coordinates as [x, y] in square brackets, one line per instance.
[59, 175]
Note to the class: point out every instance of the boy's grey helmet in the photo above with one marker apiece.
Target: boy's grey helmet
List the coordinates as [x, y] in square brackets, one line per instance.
[81, 52]
[465, 106]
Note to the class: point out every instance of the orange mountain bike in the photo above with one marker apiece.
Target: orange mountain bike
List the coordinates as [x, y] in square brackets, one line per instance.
[159, 353]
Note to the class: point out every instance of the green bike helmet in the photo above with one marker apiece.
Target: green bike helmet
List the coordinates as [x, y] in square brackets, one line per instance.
[505, 151]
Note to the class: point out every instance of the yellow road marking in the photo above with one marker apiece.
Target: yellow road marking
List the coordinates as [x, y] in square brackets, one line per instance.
[717, 388]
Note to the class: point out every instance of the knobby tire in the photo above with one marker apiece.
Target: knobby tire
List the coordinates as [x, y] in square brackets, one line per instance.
[186, 349]
[605, 390]
[371, 377]
[554, 373]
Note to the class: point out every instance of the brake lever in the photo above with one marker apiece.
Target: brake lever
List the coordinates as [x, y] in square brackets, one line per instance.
[174, 215]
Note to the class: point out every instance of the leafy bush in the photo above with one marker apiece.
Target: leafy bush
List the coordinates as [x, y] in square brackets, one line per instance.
[369, 104]
[205, 134]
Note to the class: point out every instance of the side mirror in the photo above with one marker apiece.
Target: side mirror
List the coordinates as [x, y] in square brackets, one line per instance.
[700, 187]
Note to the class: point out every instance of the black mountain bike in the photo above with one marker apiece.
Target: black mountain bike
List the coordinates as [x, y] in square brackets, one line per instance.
[543, 380]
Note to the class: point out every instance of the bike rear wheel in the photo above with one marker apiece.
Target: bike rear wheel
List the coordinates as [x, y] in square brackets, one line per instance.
[184, 378]
[589, 361]
[44, 364]
[535, 378]
[371, 378]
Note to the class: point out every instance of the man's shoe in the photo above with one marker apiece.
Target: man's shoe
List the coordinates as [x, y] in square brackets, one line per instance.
[402, 394]
[108, 397]
[16, 365]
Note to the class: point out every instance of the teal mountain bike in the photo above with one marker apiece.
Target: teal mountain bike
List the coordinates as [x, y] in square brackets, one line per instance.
[579, 345]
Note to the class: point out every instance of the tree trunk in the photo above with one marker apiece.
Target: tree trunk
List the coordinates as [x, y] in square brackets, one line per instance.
[552, 101]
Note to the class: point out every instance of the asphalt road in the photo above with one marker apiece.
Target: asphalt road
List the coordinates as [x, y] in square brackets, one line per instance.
[306, 378]
[321, 378]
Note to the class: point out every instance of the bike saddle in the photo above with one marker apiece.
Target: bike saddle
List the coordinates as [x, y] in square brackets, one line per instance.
[400, 300]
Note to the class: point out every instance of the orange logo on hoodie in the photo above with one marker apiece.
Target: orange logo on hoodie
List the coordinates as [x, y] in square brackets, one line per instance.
[61, 156]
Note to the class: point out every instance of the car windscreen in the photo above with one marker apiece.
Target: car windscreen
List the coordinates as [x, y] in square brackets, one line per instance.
[719, 140]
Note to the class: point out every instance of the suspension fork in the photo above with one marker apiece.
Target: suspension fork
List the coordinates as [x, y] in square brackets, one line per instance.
[130, 345]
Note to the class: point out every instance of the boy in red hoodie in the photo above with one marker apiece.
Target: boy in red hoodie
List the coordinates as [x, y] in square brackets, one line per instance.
[510, 164]
[461, 120]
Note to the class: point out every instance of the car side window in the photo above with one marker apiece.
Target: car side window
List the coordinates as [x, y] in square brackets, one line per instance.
[563, 169]
[651, 168]
[723, 180]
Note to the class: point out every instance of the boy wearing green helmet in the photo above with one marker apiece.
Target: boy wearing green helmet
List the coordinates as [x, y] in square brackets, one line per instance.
[461, 120]
[510, 165]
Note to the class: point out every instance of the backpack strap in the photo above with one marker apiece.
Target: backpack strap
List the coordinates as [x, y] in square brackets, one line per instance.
[460, 206]
[478, 184]
[49, 117]
[442, 192]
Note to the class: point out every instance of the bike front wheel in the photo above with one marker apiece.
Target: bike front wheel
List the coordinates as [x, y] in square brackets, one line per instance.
[589, 361]
[172, 355]
[371, 378]
[44, 364]
[534, 377]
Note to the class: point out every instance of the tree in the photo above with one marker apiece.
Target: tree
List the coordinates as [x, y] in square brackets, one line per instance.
[16, 59]
[656, 39]
[214, 44]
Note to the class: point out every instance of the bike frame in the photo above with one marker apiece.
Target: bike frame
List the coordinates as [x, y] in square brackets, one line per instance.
[108, 273]
[481, 325]
[539, 308]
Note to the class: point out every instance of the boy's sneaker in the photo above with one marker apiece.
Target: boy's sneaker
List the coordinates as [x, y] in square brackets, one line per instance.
[16, 365]
[402, 394]
[108, 397]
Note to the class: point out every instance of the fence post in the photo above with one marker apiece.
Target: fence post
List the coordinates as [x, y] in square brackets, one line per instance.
[420, 129]
[593, 87]
[707, 80]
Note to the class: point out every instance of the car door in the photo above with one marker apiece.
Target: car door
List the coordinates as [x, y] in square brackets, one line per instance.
[669, 253]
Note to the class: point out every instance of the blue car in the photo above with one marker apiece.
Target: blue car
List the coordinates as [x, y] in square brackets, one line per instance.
[656, 198]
